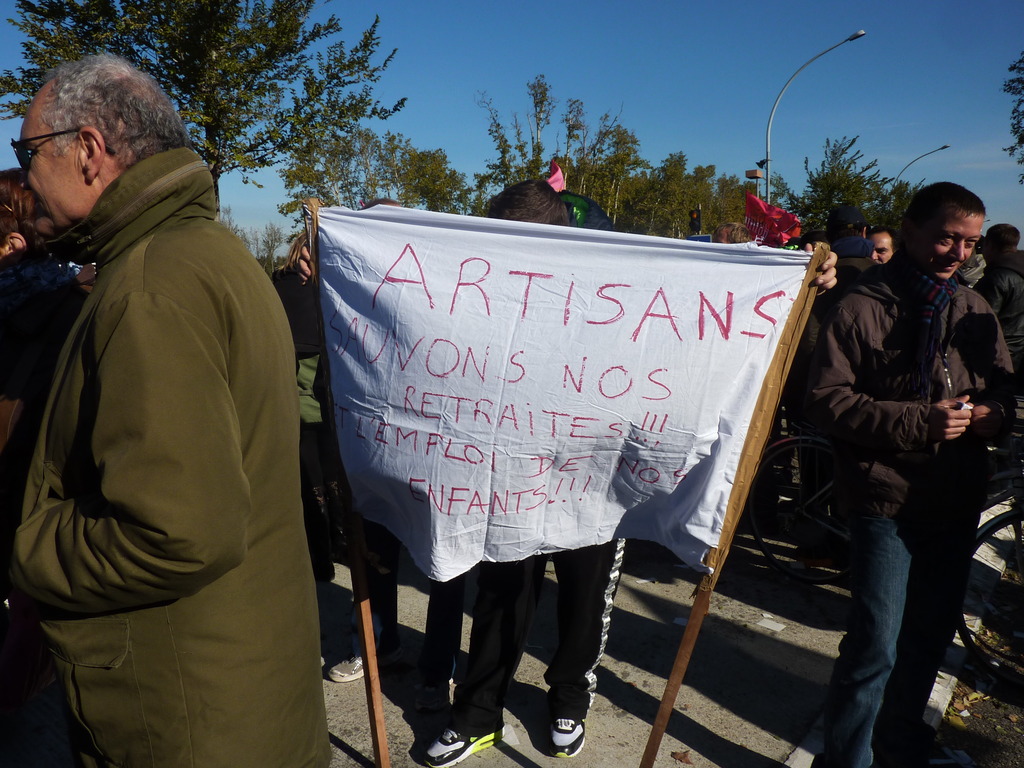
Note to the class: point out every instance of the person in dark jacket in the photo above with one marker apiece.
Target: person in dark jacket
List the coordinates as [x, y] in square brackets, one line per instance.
[910, 378]
[322, 492]
[845, 232]
[39, 301]
[1002, 286]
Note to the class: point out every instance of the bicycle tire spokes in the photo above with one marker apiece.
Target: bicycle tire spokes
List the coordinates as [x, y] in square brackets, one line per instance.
[791, 512]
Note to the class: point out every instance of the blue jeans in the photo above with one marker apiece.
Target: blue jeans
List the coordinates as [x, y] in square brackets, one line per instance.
[907, 583]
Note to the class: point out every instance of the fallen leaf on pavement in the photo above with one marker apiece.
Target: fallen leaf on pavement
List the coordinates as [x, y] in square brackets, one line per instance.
[683, 757]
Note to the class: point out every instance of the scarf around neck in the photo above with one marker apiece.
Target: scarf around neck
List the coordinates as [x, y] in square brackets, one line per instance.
[931, 298]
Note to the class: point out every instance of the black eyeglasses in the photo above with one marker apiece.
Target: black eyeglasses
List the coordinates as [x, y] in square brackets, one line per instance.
[24, 153]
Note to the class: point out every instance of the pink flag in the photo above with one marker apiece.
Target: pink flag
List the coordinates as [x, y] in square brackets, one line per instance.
[556, 179]
[769, 225]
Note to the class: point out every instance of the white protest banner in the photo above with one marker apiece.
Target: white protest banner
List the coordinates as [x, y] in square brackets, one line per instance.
[503, 389]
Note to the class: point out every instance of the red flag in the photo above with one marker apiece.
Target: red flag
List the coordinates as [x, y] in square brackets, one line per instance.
[769, 225]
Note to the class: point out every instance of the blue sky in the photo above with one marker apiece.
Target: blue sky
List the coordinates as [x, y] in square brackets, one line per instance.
[701, 78]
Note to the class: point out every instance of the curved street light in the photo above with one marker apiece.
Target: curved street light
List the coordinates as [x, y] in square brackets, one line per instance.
[768, 133]
[937, 149]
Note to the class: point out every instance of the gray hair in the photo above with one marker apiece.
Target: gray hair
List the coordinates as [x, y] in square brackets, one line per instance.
[126, 105]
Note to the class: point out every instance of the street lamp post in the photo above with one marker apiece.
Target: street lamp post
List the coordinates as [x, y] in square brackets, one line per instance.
[768, 133]
[937, 149]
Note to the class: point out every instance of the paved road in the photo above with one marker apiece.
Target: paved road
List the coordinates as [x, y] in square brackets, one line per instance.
[752, 694]
[985, 724]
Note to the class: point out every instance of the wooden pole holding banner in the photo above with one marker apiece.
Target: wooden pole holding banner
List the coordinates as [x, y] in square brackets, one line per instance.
[753, 448]
[371, 673]
[357, 557]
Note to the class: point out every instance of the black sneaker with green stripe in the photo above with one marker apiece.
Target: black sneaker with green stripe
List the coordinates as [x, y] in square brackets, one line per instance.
[567, 737]
[452, 747]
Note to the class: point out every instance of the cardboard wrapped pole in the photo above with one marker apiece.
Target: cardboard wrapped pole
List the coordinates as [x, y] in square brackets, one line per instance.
[357, 566]
[753, 448]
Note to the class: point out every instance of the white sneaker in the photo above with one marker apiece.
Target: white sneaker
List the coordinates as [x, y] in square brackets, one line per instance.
[347, 671]
[351, 669]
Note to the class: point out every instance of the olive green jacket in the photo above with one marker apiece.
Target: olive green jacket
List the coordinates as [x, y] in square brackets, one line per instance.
[162, 531]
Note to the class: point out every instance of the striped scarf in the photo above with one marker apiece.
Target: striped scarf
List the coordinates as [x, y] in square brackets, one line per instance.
[931, 298]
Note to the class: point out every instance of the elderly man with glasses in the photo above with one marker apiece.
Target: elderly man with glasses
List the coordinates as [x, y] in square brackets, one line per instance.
[162, 532]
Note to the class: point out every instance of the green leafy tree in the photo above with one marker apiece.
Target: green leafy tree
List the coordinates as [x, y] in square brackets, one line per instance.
[420, 178]
[673, 187]
[250, 77]
[620, 161]
[730, 194]
[520, 146]
[360, 166]
[1015, 87]
[586, 148]
[341, 169]
[893, 204]
[842, 178]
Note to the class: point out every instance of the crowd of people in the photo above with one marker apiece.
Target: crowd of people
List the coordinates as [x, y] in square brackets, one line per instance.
[158, 531]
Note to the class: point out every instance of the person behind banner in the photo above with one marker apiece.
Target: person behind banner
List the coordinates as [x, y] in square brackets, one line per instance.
[846, 230]
[162, 533]
[910, 378]
[845, 233]
[323, 495]
[731, 232]
[810, 238]
[508, 593]
[442, 633]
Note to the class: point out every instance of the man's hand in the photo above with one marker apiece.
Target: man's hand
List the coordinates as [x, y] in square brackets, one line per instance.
[827, 278]
[987, 419]
[948, 419]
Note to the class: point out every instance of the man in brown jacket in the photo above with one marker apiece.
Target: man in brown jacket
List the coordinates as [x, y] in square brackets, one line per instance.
[162, 532]
[910, 378]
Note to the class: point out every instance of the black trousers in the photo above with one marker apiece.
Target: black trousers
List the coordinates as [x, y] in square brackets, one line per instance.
[443, 631]
[504, 609]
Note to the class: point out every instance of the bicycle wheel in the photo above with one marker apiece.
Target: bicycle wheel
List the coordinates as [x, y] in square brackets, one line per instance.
[993, 623]
[791, 512]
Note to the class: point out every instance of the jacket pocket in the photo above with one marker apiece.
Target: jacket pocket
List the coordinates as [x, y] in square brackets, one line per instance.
[100, 643]
[885, 485]
[94, 661]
